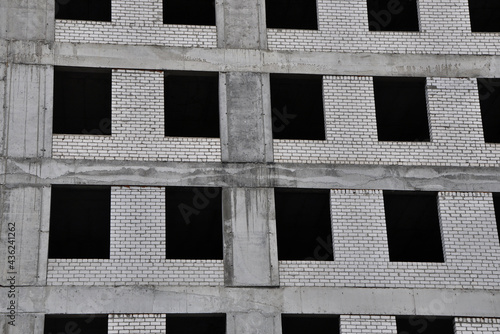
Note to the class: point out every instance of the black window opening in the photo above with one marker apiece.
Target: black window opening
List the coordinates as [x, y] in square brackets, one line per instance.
[401, 109]
[82, 101]
[194, 223]
[291, 14]
[496, 204]
[489, 100]
[297, 107]
[318, 324]
[192, 104]
[80, 222]
[76, 323]
[424, 325]
[484, 15]
[190, 12]
[413, 228]
[196, 324]
[303, 224]
[88, 10]
[392, 15]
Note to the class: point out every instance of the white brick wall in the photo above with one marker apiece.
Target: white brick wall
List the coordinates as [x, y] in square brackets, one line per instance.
[351, 129]
[137, 249]
[137, 127]
[343, 27]
[477, 325]
[367, 324]
[470, 242]
[136, 22]
[137, 324]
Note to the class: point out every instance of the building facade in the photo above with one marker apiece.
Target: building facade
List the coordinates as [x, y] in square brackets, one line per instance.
[137, 219]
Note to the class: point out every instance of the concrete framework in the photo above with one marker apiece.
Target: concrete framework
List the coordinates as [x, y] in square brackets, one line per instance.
[253, 293]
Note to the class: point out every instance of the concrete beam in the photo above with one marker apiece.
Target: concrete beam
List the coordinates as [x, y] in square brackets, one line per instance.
[303, 300]
[29, 172]
[249, 60]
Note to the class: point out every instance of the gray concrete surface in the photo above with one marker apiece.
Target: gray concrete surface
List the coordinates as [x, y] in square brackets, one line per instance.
[28, 172]
[27, 55]
[249, 237]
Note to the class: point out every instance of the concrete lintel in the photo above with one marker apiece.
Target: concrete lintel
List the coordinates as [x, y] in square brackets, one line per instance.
[43, 172]
[249, 60]
[303, 300]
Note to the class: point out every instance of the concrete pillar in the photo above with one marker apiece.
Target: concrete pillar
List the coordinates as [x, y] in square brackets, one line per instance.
[26, 35]
[246, 131]
[24, 324]
[250, 238]
[253, 323]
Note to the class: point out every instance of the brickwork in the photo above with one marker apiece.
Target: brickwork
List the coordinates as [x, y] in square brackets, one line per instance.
[477, 325]
[343, 27]
[137, 127]
[137, 22]
[367, 324]
[351, 128]
[137, 249]
[137, 324]
[469, 237]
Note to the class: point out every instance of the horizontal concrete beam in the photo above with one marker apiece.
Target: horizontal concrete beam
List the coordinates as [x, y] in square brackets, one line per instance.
[244, 60]
[43, 172]
[304, 300]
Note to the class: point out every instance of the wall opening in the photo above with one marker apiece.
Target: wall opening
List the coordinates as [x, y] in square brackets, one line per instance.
[88, 10]
[191, 12]
[413, 228]
[80, 222]
[297, 106]
[196, 323]
[318, 324]
[401, 109]
[424, 325]
[489, 99]
[496, 204]
[76, 323]
[392, 15]
[194, 223]
[291, 14]
[484, 15]
[303, 224]
[192, 104]
[82, 101]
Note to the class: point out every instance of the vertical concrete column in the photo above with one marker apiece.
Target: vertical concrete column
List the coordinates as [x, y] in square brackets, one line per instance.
[246, 131]
[23, 246]
[24, 324]
[26, 36]
[250, 237]
[253, 323]
[246, 137]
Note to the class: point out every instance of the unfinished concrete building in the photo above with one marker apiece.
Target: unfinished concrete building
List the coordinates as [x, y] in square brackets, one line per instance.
[250, 166]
